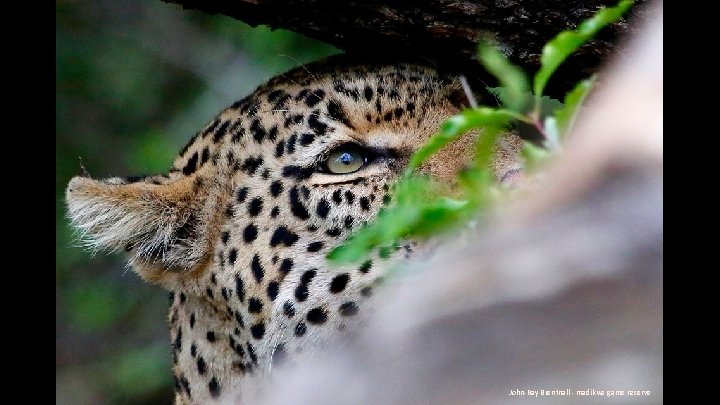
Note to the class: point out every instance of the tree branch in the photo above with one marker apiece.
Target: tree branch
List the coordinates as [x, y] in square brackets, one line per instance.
[444, 31]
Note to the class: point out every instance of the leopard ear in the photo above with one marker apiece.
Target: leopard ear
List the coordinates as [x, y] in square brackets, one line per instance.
[162, 225]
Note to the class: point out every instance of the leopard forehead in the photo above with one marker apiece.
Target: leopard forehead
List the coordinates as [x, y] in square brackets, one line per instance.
[295, 115]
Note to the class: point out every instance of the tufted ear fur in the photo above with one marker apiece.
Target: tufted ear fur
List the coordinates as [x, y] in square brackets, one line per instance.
[163, 226]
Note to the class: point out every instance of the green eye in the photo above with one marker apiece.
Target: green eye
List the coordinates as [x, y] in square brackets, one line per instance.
[344, 159]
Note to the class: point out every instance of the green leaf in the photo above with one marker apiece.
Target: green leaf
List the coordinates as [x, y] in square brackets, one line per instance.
[472, 180]
[559, 48]
[438, 215]
[420, 211]
[552, 134]
[565, 116]
[411, 195]
[512, 79]
[485, 146]
[457, 126]
[533, 156]
[548, 105]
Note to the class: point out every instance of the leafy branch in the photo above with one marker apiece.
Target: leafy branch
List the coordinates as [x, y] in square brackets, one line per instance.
[420, 209]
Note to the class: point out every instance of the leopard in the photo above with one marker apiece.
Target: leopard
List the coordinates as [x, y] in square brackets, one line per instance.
[239, 228]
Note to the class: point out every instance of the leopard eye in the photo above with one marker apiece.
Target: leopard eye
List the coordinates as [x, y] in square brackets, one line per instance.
[346, 158]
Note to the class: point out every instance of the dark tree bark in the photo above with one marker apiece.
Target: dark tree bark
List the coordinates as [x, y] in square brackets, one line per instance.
[443, 31]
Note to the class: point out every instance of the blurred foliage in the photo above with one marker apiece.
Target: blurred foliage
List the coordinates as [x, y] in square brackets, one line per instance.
[134, 81]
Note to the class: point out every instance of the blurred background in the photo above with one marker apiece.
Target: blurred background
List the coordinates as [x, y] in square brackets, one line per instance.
[134, 81]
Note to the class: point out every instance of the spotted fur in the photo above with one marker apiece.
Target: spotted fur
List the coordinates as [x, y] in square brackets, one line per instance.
[239, 227]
